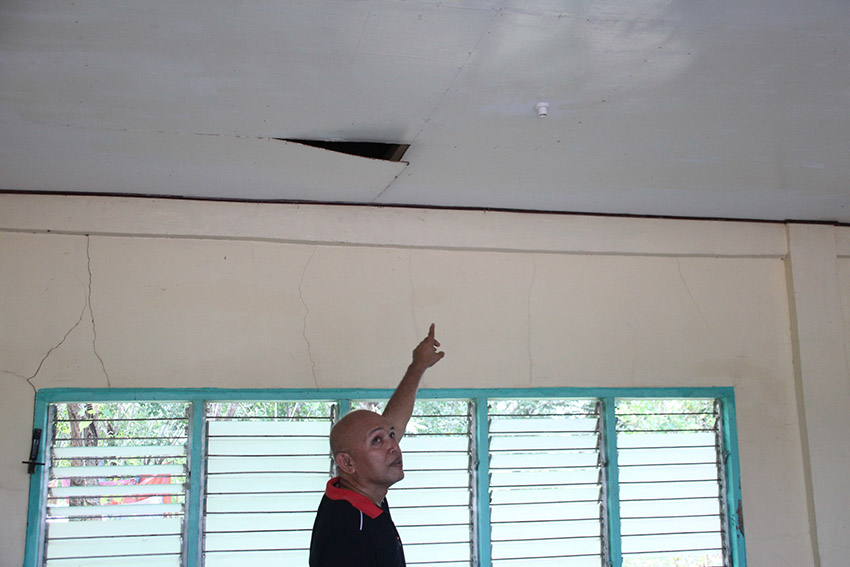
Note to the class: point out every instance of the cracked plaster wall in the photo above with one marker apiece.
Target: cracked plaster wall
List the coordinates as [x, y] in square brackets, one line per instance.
[157, 308]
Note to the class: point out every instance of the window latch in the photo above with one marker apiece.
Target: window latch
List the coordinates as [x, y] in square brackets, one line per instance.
[36, 441]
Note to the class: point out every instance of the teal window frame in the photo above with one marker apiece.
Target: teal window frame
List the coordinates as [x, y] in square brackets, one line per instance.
[33, 556]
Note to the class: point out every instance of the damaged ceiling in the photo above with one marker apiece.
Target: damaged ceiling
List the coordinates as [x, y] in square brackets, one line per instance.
[721, 109]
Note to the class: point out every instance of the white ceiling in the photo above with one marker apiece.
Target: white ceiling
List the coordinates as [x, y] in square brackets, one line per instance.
[691, 108]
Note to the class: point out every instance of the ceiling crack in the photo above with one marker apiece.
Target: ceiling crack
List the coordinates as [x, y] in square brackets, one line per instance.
[496, 13]
[393, 180]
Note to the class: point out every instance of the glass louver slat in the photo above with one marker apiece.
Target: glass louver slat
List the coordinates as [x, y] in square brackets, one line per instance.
[262, 558]
[508, 423]
[591, 560]
[247, 522]
[139, 451]
[114, 546]
[130, 527]
[462, 563]
[108, 511]
[257, 464]
[442, 497]
[428, 515]
[61, 492]
[114, 469]
[259, 502]
[546, 494]
[147, 560]
[266, 482]
[531, 531]
[547, 547]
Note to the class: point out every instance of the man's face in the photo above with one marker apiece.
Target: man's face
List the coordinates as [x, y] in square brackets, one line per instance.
[375, 451]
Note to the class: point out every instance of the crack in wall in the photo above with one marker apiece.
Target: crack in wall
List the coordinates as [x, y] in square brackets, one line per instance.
[86, 307]
[306, 314]
[91, 313]
[54, 347]
[691, 295]
[528, 307]
[412, 292]
[634, 349]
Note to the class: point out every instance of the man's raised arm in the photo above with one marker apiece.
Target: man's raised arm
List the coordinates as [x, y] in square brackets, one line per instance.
[400, 407]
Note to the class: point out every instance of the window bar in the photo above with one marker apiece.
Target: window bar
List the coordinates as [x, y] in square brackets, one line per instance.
[610, 485]
[47, 459]
[732, 474]
[34, 552]
[338, 409]
[482, 483]
[192, 541]
[721, 479]
[344, 406]
[474, 527]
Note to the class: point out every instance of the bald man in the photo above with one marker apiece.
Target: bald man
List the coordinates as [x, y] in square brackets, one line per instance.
[353, 526]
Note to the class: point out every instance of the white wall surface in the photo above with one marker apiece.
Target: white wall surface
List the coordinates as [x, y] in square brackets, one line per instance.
[114, 292]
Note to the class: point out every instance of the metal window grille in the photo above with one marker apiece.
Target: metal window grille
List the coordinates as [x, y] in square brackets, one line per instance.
[432, 506]
[545, 483]
[266, 468]
[116, 484]
[671, 483]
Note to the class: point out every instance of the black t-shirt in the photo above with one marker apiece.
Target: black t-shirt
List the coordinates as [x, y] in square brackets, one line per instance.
[350, 531]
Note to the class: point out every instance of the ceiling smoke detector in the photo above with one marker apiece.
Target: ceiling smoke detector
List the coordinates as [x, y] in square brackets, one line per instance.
[542, 109]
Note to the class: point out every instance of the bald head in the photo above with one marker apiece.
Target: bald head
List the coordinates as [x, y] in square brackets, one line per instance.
[352, 429]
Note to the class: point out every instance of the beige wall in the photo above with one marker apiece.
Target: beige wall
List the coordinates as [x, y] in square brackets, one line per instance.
[99, 291]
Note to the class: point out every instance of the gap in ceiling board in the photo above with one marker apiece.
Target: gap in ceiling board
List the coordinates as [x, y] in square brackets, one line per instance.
[374, 150]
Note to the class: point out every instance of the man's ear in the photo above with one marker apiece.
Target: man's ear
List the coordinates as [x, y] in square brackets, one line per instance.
[344, 463]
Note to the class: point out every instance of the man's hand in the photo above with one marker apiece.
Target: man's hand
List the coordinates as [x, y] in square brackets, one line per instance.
[426, 355]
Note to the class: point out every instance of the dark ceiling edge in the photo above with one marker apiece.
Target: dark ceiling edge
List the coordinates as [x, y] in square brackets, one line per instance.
[426, 207]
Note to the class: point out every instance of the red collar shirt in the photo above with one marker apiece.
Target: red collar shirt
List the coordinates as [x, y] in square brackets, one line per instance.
[351, 531]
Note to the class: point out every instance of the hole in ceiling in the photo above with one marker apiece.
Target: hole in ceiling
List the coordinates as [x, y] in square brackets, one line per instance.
[374, 150]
